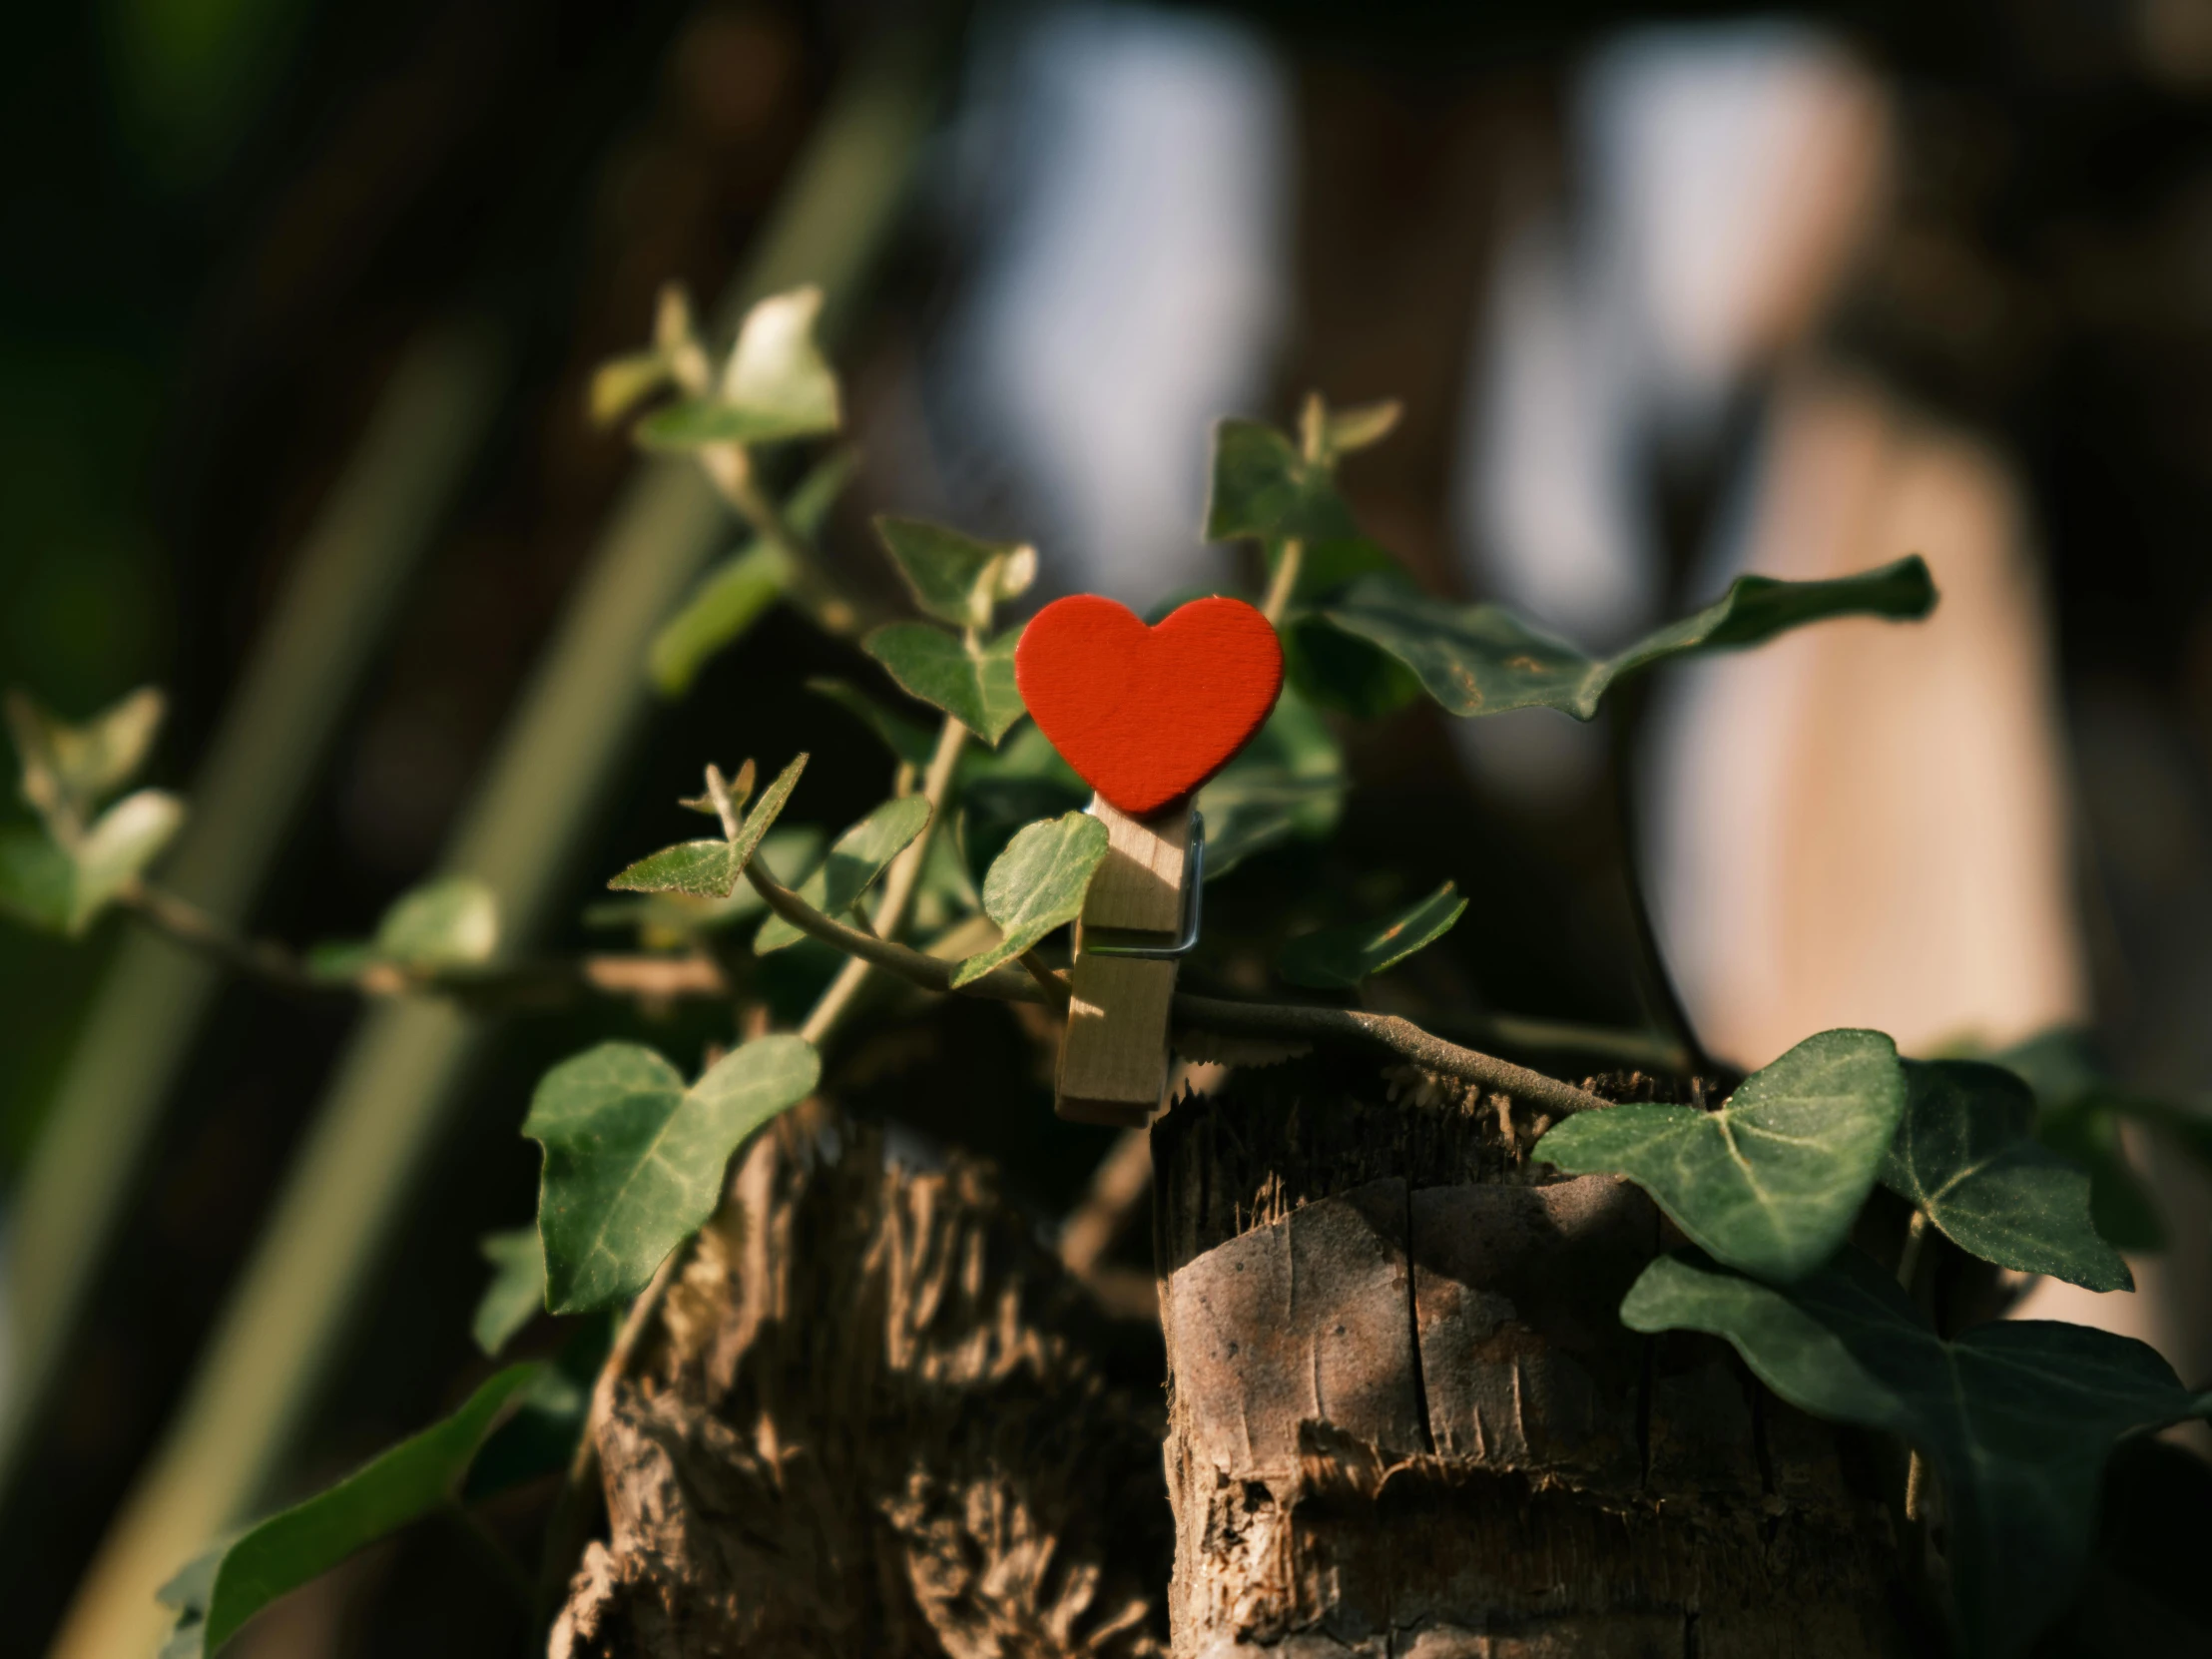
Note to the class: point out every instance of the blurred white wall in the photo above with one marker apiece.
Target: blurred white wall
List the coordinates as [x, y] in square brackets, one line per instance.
[1131, 285]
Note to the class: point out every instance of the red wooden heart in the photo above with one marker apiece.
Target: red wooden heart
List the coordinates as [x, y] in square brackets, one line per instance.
[1146, 715]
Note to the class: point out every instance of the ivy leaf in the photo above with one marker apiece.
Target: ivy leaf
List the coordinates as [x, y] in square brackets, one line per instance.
[1484, 660]
[1037, 884]
[777, 384]
[726, 602]
[221, 1589]
[516, 1291]
[620, 385]
[954, 577]
[449, 922]
[857, 858]
[732, 597]
[1337, 958]
[969, 679]
[712, 869]
[2080, 1112]
[2017, 1416]
[1263, 487]
[1288, 781]
[1965, 1154]
[634, 1159]
[38, 884]
[1771, 1180]
[1003, 790]
[67, 770]
[908, 741]
[2119, 1204]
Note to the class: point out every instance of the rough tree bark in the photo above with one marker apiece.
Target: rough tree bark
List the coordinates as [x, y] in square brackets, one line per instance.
[872, 1419]
[1403, 1418]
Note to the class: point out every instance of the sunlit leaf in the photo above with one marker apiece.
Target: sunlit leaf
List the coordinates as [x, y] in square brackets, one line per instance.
[634, 1159]
[1337, 958]
[677, 920]
[1037, 884]
[906, 740]
[2016, 1416]
[775, 385]
[973, 683]
[726, 602]
[1288, 781]
[116, 851]
[953, 576]
[620, 385]
[1965, 1153]
[1361, 425]
[448, 922]
[517, 1289]
[1484, 660]
[69, 769]
[226, 1585]
[1772, 1180]
[855, 860]
[710, 870]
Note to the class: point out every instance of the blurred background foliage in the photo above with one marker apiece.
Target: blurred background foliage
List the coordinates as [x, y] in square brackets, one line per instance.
[229, 220]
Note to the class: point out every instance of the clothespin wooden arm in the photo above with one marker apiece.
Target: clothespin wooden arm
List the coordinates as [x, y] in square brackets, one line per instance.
[1114, 1062]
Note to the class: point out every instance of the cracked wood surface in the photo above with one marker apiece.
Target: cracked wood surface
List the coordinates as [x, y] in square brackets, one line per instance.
[872, 1417]
[1404, 1421]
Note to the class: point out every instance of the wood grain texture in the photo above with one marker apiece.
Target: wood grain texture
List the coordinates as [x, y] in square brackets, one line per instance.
[1114, 1058]
[873, 1417]
[1404, 1421]
[1147, 714]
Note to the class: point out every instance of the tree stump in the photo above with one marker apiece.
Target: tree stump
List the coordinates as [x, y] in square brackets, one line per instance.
[870, 1419]
[1405, 1420]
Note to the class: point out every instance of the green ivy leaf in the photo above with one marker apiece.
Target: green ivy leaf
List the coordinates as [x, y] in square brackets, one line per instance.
[1337, 958]
[908, 741]
[634, 1159]
[712, 869]
[952, 576]
[1772, 1180]
[726, 602]
[1965, 1153]
[221, 1589]
[1288, 781]
[1037, 884]
[516, 1291]
[2119, 1204]
[856, 860]
[969, 679]
[2081, 1113]
[777, 384]
[1263, 487]
[732, 597]
[68, 771]
[2017, 1417]
[1484, 660]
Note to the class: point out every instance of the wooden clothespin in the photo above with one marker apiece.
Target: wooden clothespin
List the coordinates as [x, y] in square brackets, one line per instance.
[1144, 716]
[1128, 945]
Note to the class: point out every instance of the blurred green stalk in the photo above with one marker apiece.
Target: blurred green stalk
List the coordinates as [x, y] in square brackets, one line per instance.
[381, 520]
[400, 1077]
